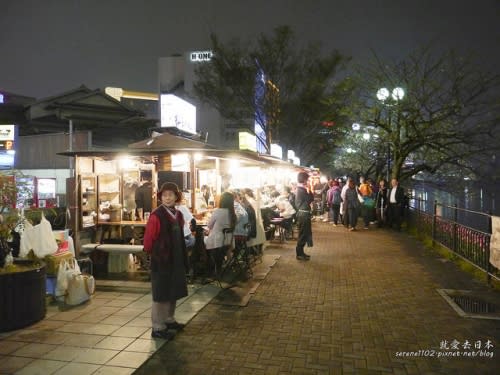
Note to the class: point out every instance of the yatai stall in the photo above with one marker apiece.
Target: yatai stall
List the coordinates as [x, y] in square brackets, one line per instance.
[103, 199]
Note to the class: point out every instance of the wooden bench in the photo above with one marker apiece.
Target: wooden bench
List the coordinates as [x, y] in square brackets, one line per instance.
[119, 254]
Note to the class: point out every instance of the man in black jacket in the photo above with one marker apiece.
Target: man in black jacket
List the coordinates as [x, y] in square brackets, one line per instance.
[396, 197]
[303, 200]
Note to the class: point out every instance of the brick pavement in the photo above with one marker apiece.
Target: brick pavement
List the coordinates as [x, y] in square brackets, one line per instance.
[363, 297]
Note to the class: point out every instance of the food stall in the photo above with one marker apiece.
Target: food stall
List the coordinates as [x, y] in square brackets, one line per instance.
[101, 196]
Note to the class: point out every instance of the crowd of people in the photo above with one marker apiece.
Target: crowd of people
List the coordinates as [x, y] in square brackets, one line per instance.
[247, 216]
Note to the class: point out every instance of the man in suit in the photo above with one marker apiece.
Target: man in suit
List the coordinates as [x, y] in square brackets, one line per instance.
[396, 197]
[303, 200]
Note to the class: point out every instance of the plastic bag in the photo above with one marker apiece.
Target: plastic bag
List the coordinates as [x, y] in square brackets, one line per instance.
[27, 237]
[80, 288]
[66, 270]
[44, 242]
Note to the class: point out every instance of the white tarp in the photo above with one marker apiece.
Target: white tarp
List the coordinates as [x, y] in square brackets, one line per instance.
[495, 242]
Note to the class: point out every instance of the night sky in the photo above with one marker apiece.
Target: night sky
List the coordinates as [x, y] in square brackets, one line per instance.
[51, 46]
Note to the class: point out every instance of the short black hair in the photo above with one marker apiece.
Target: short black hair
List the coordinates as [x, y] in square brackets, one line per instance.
[146, 175]
[302, 177]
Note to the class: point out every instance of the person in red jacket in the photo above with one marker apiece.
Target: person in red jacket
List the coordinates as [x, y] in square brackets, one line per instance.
[164, 241]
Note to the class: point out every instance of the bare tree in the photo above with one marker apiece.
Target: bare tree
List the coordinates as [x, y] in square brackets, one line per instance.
[449, 112]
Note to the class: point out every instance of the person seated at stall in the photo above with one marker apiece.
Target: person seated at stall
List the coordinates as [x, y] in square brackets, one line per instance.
[258, 241]
[189, 239]
[284, 210]
[223, 217]
[252, 218]
[269, 210]
[188, 217]
[240, 230]
[241, 227]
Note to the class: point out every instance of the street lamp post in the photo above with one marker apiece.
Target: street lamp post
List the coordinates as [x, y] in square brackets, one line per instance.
[390, 98]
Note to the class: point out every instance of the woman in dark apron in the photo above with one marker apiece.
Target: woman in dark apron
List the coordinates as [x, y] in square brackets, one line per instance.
[164, 241]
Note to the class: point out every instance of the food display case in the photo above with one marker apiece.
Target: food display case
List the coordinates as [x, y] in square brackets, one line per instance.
[109, 198]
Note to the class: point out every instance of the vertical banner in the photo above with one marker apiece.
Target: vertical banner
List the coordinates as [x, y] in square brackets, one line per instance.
[260, 115]
[495, 242]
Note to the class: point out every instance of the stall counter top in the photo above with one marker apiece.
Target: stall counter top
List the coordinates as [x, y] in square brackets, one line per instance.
[124, 223]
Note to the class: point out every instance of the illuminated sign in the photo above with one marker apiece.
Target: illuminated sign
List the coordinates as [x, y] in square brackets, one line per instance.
[177, 113]
[180, 162]
[200, 56]
[7, 146]
[1, 99]
[247, 141]
[7, 132]
[276, 151]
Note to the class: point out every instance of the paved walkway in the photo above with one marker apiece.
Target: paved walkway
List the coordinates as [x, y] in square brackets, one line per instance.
[110, 334]
[364, 302]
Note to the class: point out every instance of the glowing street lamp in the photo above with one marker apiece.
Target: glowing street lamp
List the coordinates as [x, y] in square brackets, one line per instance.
[383, 94]
[397, 94]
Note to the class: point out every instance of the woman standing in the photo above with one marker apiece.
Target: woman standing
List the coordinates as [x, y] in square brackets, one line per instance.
[164, 241]
[351, 204]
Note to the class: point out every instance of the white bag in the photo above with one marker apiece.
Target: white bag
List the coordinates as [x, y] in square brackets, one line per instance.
[27, 236]
[72, 286]
[80, 288]
[44, 242]
[63, 273]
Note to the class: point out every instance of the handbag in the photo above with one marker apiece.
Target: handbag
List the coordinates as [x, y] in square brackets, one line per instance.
[80, 288]
[72, 286]
[361, 199]
[369, 202]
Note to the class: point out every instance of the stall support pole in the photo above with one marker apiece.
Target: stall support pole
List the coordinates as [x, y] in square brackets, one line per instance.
[194, 182]
[218, 183]
[76, 210]
[71, 167]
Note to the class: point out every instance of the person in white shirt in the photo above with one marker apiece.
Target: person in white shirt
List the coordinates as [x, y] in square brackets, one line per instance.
[286, 211]
[188, 216]
[396, 198]
[222, 218]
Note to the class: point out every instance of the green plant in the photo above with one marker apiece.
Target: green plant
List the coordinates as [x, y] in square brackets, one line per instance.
[12, 186]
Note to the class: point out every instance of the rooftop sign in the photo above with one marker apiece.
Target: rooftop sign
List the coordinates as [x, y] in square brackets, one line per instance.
[200, 56]
[178, 113]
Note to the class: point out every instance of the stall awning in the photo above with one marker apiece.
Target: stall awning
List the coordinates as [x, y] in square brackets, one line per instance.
[167, 142]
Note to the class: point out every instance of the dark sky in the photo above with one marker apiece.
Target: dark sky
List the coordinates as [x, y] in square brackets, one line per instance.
[51, 46]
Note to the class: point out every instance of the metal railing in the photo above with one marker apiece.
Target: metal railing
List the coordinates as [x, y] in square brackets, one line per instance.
[443, 226]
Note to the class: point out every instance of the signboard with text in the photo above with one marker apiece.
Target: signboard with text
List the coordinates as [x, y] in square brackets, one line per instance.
[7, 146]
[178, 113]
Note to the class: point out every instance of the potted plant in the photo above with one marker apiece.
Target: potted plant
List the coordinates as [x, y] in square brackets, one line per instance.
[22, 281]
